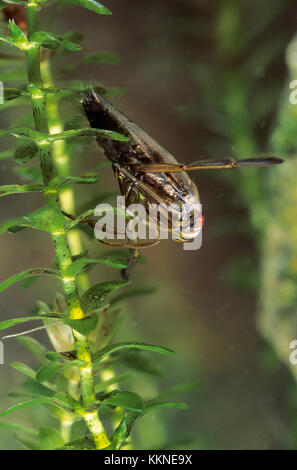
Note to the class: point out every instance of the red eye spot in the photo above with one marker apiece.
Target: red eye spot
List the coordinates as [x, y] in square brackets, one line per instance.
[202, 220]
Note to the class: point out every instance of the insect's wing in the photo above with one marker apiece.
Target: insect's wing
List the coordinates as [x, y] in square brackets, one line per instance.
[103, 115]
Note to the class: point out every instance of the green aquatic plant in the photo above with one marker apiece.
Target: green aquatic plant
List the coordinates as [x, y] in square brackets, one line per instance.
[278, 295]
[71, 381]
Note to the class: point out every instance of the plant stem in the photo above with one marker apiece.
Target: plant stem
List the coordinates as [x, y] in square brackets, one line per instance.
[62, 161]
[62, 251]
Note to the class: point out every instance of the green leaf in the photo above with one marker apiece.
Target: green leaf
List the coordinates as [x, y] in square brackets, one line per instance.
[92, 5]
[8, 40]
[53, 356]
[36, 390]
[19, 37]
[66, 401]
[48, 371]
[166, 404]
[36, 348]
[26, 152]
[26, 404]
[16, 321]
[83, 326]
[24, 274]
[79, 264]
[123, 431]
[113, 262]
[62, 182]
[87, 132]
[24, 133]
[127, 400]
[70, 46]
[108, 324]
[24, 369]
[47, 218]
[43, 308]
[52, 41]
[50, 439]
[116, 210]
[79, 218]
[99, 355]
[94, 298]
[44, 38]
[13, 93]
[19, 189]
[84, 443]
[79, 255]
[18, 427]
[14, 225]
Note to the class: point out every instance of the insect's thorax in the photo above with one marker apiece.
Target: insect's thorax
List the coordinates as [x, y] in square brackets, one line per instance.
[159, 188]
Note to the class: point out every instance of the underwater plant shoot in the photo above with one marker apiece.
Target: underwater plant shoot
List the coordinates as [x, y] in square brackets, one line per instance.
[148, 298]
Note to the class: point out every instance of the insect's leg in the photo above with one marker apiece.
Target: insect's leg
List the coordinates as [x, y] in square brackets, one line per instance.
[90, 222]
[133, 244]
[207, 165]
[135, 254]
[121, 242]
[231, 163]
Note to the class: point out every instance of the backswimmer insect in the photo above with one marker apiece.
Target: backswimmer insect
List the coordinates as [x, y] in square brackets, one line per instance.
[146, 172]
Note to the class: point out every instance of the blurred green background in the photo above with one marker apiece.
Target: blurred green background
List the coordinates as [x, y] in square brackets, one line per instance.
[205, 79]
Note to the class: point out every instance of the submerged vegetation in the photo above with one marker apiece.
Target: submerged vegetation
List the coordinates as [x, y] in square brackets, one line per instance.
[239, 58]
[78, 381]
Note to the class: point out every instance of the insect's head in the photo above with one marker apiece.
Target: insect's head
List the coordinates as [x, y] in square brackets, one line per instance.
[98, 112]
[92, 107]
